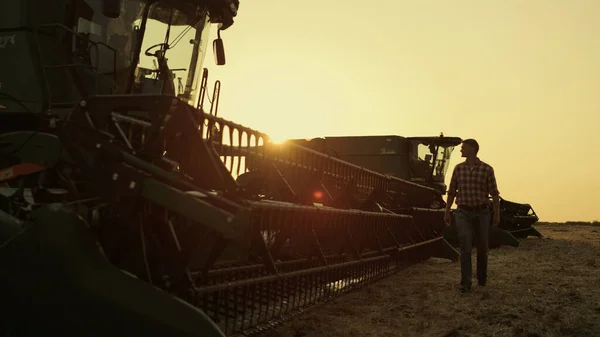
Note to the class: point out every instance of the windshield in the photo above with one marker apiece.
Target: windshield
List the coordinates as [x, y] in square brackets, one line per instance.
[429, 160]
[173, 45]
[441, 163]
[111, 41]
[421, 161]
[173, 50]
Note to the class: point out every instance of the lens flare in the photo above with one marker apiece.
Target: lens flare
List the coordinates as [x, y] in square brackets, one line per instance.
[318, 194]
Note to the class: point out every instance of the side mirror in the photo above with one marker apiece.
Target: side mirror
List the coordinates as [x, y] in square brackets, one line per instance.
[219, 50]
[111, 8]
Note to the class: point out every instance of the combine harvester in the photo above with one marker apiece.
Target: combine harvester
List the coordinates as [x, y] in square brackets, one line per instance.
[128, 210]
[424, 161]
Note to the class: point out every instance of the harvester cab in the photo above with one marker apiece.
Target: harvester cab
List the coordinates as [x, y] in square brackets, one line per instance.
[429, 160]
[66, 50]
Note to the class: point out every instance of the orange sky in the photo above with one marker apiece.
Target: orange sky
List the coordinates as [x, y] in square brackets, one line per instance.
[521, 77]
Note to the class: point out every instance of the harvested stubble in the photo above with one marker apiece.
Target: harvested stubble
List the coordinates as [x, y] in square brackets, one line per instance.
[546, 287]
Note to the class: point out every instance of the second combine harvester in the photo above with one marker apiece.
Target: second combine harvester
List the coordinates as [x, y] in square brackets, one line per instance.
[424, 161]
[120, 212]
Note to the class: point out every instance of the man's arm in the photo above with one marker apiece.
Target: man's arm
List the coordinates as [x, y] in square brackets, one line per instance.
[493, 190]
[451, 195]
[449, 202]
[452, 189]
[496, 202]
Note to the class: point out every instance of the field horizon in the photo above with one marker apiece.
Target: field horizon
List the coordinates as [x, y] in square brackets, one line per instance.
[568, 223]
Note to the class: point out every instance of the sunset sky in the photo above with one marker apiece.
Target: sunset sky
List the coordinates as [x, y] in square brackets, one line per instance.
[520, 76]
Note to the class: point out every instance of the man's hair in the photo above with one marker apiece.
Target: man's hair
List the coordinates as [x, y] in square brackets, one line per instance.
[472, 143]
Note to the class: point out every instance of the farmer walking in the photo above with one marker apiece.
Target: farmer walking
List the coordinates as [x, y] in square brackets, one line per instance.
[472, 183]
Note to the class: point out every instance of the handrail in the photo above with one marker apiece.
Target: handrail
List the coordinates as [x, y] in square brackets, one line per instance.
[215, 99]
[203, 84]
[72, 65]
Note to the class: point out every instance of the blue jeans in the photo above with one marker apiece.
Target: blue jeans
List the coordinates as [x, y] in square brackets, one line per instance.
[473, 225]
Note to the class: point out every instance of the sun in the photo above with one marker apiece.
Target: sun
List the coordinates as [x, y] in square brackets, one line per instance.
[277, 139]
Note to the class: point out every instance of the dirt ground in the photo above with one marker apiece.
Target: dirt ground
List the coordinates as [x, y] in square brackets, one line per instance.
[546, 287]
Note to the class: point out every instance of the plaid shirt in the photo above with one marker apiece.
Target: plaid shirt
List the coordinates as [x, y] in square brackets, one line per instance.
[472, 185]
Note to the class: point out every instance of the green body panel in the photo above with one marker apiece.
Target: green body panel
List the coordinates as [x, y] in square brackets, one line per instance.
[9, 227]
[12, 14]
[58, 283]
[43, 149]
[386, 164]
[367, 145]
[37, 67]
[20, 73]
